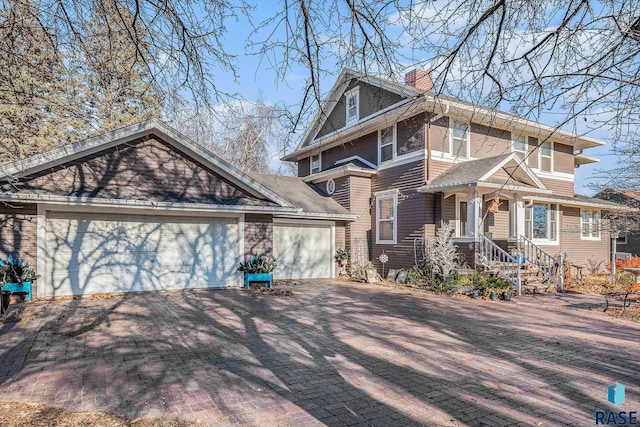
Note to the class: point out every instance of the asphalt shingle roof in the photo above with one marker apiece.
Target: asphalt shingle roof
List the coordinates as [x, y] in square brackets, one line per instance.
[300, 194]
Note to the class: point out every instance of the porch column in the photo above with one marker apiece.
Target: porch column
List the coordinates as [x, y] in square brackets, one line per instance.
[474, 214]
[518, 217]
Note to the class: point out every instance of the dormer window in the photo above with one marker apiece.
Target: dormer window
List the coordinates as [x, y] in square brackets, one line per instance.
[352, 101]
[387, 144]
[315, 163]
[519, 146]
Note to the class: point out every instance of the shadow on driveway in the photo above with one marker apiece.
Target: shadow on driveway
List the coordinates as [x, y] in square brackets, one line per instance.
[334, 353]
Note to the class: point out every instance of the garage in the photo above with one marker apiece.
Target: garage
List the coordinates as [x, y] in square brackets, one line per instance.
[304, 249]
[97, 253]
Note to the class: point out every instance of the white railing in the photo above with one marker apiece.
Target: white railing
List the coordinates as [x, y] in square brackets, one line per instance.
[547, 264]
[494, 257]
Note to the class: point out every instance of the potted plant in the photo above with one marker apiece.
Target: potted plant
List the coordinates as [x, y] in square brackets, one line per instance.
[342, 257]
[258, 270]
[17, 276]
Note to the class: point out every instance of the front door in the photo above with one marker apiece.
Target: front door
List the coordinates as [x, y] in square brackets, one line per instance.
[461, 217]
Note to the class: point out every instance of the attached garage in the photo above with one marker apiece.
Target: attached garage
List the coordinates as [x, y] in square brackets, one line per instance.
[304, 250]
[92, 253]
[144, 209]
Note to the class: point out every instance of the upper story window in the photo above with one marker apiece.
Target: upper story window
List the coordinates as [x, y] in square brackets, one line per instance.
[386, 220]
[519, 146]
[541, 222]
[387, 144]
[590, 224]
[546, 157]
[352, 101]
[315, 163]
[459, 146]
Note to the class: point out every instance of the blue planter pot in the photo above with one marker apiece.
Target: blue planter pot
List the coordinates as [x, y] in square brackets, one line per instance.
[18, 287]
[257, 277]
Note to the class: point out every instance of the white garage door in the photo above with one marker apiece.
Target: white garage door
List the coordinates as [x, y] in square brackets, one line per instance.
[89, 254]
[303, 250]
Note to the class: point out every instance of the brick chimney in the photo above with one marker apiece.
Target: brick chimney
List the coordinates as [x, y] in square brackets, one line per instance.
[420, 79]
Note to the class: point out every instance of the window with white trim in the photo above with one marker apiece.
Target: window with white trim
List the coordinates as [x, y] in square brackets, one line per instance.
[622, 239]
[387, 144]
[331, 186]
[315, 163]
[541, 222]
[386, 208]
[352, 102]
[546, 157]
[459, 144]
[519, 146]
[590, 224]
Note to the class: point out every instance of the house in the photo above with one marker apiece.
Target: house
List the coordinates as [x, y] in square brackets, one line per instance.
[405, 160]
[628, 240]
[144, 208]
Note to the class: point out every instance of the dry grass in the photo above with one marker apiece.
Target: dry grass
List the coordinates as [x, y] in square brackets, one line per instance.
[600, 284]
[17, 414]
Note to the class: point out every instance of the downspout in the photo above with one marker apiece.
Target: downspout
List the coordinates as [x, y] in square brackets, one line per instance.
[427, 174]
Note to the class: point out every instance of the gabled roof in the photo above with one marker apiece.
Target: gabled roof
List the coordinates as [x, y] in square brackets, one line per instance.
[415, 102]
[482, 173]
[68, 153]
[338, 89]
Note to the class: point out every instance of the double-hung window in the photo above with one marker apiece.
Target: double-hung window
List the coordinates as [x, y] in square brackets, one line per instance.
[541, 222]
[387, 144]
[352, 101]
[459, 139]
[520, 147]
[590, 224]
[315, 163]
[546, 157]
[386, 217]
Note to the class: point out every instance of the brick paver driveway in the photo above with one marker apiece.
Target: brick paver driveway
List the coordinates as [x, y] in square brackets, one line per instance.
[335, 353]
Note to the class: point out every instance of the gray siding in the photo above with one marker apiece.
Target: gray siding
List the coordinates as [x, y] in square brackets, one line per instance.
[372, 99]
[304, 166]
[412, 214]
[496, 224]
[140, 170]
[258, 235]
[578, 251]
[410, 135]
[365, 147]
[18, 234]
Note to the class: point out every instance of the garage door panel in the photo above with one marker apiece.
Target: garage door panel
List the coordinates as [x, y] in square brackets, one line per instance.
[303, 251]
[89, 254]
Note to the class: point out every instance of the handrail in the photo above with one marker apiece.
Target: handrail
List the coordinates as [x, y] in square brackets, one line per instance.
[493, 256]
[547, 264]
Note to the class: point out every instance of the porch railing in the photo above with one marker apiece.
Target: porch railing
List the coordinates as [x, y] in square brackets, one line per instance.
[547, 264]
[494, 257]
